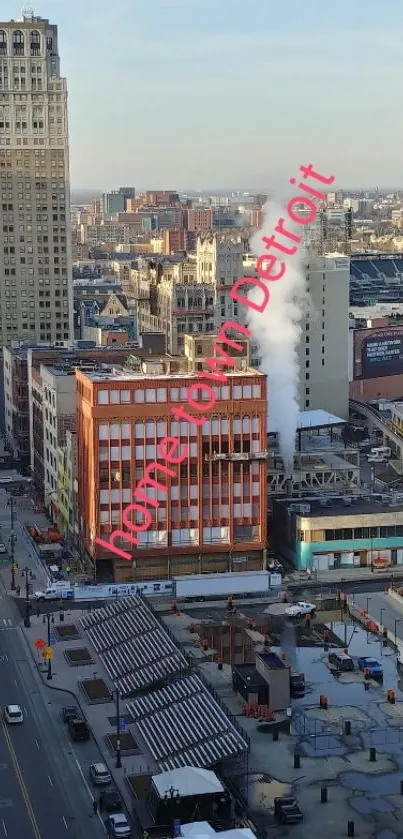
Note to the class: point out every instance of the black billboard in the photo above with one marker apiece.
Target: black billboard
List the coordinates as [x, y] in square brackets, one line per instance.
[382, 354]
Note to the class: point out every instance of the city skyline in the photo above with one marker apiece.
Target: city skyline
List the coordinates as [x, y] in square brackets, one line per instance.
[132, 67]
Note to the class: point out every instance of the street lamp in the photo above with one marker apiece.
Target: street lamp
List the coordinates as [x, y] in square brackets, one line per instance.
[170, 794]
[27, 621]
[49, 618]
[397, 620]
[118, 758]
[368, 599]
[10, 503]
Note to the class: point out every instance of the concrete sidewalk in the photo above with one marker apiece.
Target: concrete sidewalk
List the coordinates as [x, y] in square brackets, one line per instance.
[66, 677]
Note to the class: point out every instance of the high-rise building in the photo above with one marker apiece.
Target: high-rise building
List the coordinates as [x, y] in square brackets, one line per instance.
[212, 514]
[323, 349]
[35, 240]
[116, 201]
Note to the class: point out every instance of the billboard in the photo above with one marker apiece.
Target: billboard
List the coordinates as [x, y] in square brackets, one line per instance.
[382, 353]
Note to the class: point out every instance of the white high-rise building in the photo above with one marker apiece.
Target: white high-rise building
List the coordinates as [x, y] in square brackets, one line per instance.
[323, 349]
[35, 239]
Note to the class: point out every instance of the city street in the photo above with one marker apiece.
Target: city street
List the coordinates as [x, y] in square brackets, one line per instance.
[44, 789]
[43, 793]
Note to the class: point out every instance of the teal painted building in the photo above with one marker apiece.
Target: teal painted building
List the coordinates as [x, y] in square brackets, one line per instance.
[345, 532]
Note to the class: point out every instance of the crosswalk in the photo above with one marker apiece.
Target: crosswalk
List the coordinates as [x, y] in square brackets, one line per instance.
[5, 624]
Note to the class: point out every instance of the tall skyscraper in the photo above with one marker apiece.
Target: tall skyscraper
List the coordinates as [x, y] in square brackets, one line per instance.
[35, 239]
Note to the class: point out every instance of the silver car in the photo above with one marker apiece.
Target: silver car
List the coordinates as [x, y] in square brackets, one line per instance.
[118, 826]
[100, 774]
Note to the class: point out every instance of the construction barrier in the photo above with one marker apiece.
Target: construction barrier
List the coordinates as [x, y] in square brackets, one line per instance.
[255, 711]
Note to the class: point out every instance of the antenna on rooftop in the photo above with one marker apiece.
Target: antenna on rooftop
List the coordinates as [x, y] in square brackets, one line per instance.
[27, 11]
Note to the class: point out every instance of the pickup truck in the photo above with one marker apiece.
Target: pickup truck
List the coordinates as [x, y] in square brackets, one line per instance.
[375, 669]
[300, 609]
[286, 810]
[58, 591]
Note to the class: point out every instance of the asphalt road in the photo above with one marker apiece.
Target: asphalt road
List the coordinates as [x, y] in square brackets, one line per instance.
[351, 586]
[44, 792]
[391, 616]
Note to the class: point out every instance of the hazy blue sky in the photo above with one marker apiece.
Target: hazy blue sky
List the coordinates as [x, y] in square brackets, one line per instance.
[203, 93]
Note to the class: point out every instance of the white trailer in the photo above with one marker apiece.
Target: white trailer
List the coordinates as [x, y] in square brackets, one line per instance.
[65, 591]
[158, 588]
[235, 583]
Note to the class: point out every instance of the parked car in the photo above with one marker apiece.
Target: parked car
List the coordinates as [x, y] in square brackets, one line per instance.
[3, 549]
[13, 714]
[78, 730]
[286, 810]
[341, 661]
[69, 713]
[110, 801]
[372, 665]
[100, 774]
[300, 609]
[297, 685]
[118, 826]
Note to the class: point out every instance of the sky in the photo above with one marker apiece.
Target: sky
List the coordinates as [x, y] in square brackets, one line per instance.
[230, 93]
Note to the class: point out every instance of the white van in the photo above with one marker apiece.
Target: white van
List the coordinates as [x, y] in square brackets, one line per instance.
[380, 454]
[57, 591]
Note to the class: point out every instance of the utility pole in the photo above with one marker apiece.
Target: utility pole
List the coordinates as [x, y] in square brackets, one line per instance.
[27, 621]
[12, 542]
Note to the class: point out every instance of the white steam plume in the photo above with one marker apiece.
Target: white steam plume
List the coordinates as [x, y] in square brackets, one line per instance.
[278, 330]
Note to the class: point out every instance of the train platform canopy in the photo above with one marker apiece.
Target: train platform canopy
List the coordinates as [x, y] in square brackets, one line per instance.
[318, 419]
[314, 420]
[188, 781]
[202, 830]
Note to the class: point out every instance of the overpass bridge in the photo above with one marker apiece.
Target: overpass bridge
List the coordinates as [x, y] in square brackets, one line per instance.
[376, 420]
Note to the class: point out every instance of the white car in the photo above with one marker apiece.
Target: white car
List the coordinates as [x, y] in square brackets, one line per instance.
[13, 714]
[118, 826]
[100, 774]
[3, 549]
[300, 609]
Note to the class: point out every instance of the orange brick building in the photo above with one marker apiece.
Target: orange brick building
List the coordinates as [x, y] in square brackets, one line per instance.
[213, 515]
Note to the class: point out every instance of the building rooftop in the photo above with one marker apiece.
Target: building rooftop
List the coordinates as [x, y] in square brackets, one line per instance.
[62, 369]
[249, 674]
[345, 505]
[272, 660]
[116, 375]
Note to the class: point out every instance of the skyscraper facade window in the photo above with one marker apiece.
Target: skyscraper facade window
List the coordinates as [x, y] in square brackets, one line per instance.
[35, 237]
